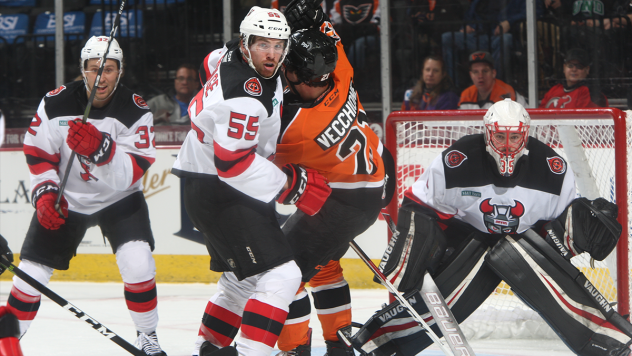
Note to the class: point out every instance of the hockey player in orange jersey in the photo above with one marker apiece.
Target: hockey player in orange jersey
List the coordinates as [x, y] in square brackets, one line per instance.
[324, 127]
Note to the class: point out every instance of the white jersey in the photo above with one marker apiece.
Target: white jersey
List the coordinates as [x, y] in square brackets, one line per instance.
[464, 183]
[235, 121]
[89, 188]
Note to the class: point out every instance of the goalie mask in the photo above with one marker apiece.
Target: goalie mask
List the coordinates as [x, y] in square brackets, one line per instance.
[506, 134]
[313, 57]
[269, 23]
[95, 48]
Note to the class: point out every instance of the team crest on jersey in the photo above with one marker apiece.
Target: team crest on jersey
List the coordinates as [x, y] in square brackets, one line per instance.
[454, 158]
[501, 219]
[253, 87]
[56, 91]
[140, 102]
[556, 164]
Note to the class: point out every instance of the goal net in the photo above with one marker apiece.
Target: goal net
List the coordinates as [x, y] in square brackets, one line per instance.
[597, 143]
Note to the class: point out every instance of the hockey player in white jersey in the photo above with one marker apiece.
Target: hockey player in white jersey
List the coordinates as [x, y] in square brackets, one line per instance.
[500, 206]
[114, 149]
[231, 185]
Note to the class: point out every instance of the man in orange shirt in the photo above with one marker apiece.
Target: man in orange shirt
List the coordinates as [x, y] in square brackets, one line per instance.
[324, 127]
[486, 89]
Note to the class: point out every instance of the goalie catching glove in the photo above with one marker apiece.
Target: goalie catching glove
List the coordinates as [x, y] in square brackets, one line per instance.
[307, 189]
[88, 141]
[585, 226]
[304, 14]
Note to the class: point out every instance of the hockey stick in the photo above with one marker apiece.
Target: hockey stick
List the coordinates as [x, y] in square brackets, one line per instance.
[442, 314]
[399, 297]
[71, 308]
[115, 26]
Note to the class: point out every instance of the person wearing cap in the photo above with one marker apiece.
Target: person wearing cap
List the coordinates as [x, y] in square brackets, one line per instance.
[573, 92]
[487, 89]
[114, 149]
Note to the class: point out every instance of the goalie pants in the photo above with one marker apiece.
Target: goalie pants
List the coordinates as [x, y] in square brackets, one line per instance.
[126, 226]
[318, 243]
[472, 273]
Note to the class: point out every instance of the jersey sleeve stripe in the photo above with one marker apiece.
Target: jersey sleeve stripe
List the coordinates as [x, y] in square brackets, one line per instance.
[39, 161]
[232, 163]
[140, 166]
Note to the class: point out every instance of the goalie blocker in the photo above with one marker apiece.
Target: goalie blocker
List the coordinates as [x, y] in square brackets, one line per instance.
[537, 273]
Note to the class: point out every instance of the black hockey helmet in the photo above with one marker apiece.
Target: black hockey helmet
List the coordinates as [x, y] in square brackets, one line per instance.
[312, 56]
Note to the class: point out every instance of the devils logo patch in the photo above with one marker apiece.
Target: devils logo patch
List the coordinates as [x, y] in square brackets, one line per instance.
[253, 87]
[56, 91]
[140, 102]
[501, 219]
[556, 164]
[454, 158]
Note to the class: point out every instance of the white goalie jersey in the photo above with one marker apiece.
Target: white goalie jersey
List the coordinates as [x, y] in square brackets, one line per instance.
[90, 188]
[235, 123]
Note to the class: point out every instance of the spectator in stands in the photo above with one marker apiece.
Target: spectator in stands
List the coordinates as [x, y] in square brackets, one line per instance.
[434, 89]
[487, 89]
[171, 108]
[573, 92]
[488, 25]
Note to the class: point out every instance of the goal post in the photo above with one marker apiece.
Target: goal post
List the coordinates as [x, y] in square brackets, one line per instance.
[596, 143]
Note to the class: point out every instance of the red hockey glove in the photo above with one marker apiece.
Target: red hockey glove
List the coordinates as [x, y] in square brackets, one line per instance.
[44, 197]
[308, 189]
[87, 140]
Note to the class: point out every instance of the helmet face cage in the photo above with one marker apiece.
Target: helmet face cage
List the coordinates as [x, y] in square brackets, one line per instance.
[506, 144]
[269, 23]
[506, 134]
[313, 57]
[94, 48]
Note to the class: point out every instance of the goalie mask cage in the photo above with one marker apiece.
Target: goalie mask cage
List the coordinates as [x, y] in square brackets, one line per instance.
[597, 143]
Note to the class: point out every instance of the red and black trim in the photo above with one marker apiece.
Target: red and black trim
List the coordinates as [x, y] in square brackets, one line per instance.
[140, 165]
[219, 325]
[104, 154]
[45, 187]
[232, 163]
[262, 322]
[22, 305]
[141, 297]
[39, 161]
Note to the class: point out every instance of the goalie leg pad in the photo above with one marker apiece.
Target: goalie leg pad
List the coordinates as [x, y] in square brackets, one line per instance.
[465, 281]
[548, 287]
[418, 245]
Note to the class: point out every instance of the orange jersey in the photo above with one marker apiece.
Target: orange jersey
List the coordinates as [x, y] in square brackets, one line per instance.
[332, 135]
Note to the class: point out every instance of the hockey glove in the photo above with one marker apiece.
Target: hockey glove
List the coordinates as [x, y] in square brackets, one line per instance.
[5, 252]
[304, 14]
[44, 197]
[87, 140]
[585, 226]
[308, 189]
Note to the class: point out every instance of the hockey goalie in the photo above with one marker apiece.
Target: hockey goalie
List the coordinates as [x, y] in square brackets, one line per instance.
[500, 206]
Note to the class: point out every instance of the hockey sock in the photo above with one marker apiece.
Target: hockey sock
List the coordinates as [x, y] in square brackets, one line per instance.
[142, 303]
[295, 330]
[219, 325]
[332, 299]
[261, 325]
[24, 307]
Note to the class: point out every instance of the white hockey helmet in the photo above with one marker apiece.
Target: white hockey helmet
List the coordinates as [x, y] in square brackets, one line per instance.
[506, 134]
[96, 46]
[269, 23]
